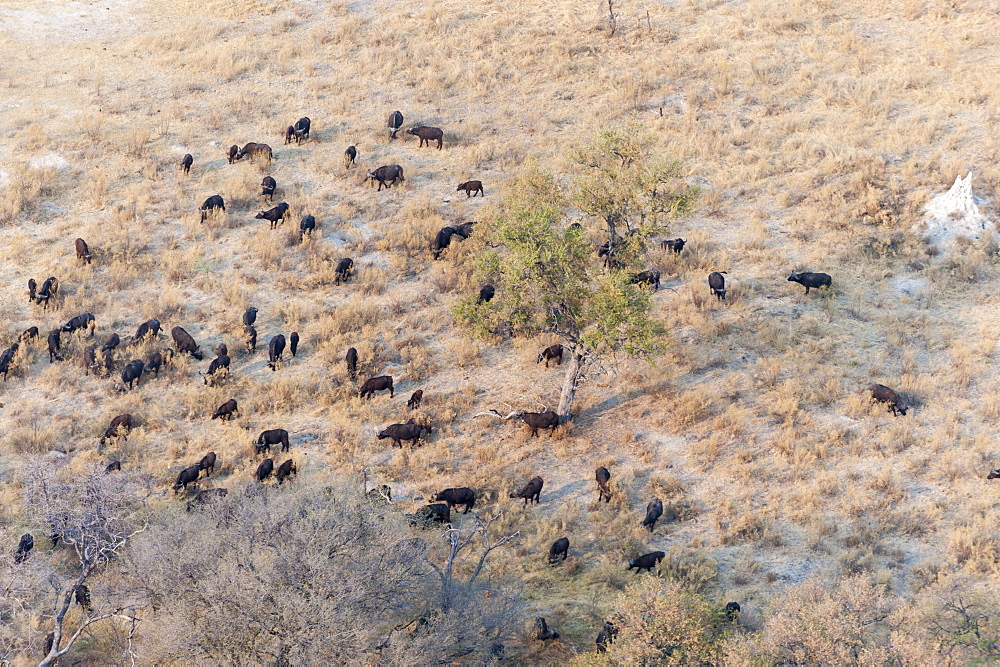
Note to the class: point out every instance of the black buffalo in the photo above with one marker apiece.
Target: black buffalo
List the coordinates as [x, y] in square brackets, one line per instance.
[285, 470]
[380, 383]
[212, 203]
[457, 496]
[530, 491]
[113, 341]
[275, 436]
[551, 353]
[301, 129]
[395, 122]
[349, 156]
[6, 358]
[603, 490]
[344, 270]
[559, 550]
[274, 351]
[352, 362]
[249, 316]
[132, 372]
[540, 420]
[120, 425]
[265, 469]
[185, 343]
[293, 342]
[24, 547]
[427, 135]
[54, 344]
[251, 338]
[676, 245]
[654, 510]
[717, 283]
[439, 512]
[186, 163]
[84, 321]
[267, 187]
[486, 294]
[884, 394]
[386, 176]
[187, 476]
[651, 277]
[471, 188]
[646, 562]
[399, 432]
[306, 226]
[811, 280]
[216, 365]
[415, 399]
[148, 328]
[207, 463]
[226, 410]
[83, 250]
[275, 216]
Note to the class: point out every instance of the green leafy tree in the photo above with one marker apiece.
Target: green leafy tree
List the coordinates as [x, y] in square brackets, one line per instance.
[544, 268]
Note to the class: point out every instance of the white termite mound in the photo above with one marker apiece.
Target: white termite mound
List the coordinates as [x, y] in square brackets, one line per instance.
[955, 214]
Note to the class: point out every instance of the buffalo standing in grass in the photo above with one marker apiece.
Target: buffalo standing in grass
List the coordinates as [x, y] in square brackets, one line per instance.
[427, 135]
[530, 492]
[212, 203]
[380, 383]
[811, 280]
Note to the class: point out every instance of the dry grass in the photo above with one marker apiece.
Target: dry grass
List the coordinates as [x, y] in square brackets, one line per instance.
[817, 132]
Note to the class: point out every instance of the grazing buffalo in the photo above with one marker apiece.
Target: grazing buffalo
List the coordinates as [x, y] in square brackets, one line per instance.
[459, 496]
[265, 469]
[290, 135]
[530, 491]
[293, 342]
[251, 338]
[441, 241]
[186, 163]
[207, 463]
[275, 436]
[399, 432]
[84, 322]
[6, 358]
[675, 245]
[349, 156]
[267, 187]
[559, 550]
[83, 251]
[646, 562]
[156, 360]
[249, 316]
[651, 277]
[415, 399]
[148, 328]
[212, 203]
[114, 466]
[386, 175]
[883, 394]
[544, 634]
[255, 151]
[471, 188]
[301, 129]
[218, 364]
[654, 510]
[285, 470]
[540, 420]
[486, 294]
[345, 267]
[274, 351]
[120, 426]
[185, 343]
[234, 150]
[24, 547]
[112, 343]
[733, 611]
[717, 283]
[603, 490]
[31, 333]
[380, 383]
[811, 280]
[54, 343]
[207, 496]
[606, 636]
[395, 122]
[276, 215]
[89, 359]
[306, 226]
[50, 288]
[352, 362]
[132, 372]
[221, 349]
[439, 512]
[32, 288]
[187, 476]
[226, 411]
[551, 353]
[427, 135]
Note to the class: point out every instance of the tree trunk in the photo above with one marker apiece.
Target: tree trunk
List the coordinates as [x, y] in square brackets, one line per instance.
[573, 370]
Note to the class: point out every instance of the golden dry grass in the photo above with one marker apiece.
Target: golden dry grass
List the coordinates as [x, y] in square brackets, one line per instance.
[816, 129]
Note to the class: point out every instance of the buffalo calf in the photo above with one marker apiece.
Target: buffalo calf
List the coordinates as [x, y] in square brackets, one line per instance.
[551, 353]
[883, 394]
[83, 251]
[415, 399]
[471, 188]
[603, 490]
[285, 470]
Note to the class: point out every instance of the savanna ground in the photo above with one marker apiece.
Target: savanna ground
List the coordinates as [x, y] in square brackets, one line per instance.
[816, 131]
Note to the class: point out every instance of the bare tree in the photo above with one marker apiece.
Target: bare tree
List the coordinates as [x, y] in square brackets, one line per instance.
[94, 516]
